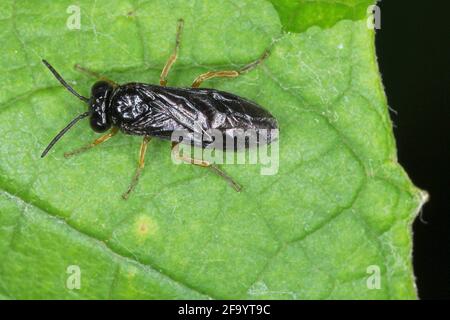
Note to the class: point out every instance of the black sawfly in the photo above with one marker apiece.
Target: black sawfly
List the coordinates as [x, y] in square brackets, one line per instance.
[156, 111]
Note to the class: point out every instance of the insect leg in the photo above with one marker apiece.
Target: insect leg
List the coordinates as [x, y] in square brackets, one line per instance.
[95, 75]
[173, 57]
[141, 164]
[229, 73]
[214, 74]
[205, 164]
[96, 142]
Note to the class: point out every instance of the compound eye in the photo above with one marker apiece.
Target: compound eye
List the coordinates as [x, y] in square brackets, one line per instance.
[100, 87]
[99, 123]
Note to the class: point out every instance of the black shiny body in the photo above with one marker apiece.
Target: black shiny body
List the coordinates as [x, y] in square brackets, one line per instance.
[156, 111]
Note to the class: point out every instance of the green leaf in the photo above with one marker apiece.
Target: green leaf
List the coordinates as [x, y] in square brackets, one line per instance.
[299, 15]
[339, 206]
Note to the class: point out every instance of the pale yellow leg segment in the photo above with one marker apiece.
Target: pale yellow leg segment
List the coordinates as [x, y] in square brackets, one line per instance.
[229, 73]
[96, 142]
[214, 74]
[173, 57]
[141, 164]
[95, 75]
[205, 164]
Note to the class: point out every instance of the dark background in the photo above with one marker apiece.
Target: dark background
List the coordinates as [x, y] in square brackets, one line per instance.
[413, 47]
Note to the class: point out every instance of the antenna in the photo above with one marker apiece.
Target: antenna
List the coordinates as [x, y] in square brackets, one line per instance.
[64, 83]
[63, 131]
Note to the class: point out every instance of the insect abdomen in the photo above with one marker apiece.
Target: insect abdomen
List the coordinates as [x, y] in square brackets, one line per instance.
[209, 112]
